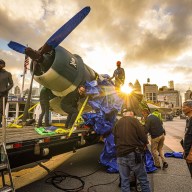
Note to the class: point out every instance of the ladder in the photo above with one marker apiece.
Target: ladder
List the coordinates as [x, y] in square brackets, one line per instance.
[5, 168]
[4, 161]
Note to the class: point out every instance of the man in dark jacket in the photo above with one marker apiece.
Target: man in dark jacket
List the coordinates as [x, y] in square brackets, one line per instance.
[130, 140]
[155, 128]
[187, 142]
[70, 106]
[45, 96]
[6, 83]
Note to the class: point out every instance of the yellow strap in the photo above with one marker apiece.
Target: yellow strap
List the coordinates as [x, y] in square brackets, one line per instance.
[22, 115]
[79, 114]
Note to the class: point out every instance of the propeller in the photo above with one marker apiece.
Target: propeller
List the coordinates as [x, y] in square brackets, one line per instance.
[51, 43]
[55, 39]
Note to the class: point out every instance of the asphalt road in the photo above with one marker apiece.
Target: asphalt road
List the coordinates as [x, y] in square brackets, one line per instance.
[86, 161]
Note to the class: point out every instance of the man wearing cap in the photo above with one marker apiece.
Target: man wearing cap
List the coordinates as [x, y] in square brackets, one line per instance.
[130, 140]
[119, 75]
[6, 83]
[154, 127]
[187, 142]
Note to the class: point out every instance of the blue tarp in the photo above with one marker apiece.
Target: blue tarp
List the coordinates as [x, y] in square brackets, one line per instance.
[107, 103]
[178, 155]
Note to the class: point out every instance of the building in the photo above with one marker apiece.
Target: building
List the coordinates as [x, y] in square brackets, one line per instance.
[137, 87]
[35, 91]
[150, 92]
[171, 85]
[188, 95]
[168, 97]
[17, 91]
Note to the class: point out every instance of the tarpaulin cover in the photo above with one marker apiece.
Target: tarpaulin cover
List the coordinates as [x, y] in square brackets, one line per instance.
[106, 103]
[174, 154]
[149, 163]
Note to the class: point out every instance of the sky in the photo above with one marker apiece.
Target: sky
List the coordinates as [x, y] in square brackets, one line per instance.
[152, 38]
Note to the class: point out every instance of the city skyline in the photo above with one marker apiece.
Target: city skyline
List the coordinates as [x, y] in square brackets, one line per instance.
[151, 38]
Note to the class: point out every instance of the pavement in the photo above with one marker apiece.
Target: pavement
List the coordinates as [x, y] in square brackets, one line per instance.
[175, 178]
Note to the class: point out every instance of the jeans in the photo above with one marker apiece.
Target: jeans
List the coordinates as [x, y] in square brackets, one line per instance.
[127, 164]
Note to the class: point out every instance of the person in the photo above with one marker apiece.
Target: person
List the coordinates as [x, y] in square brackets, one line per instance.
[6, 83]
[69, 104]
[187, 142]
[45, 96]
[119, 75]
[155, 128]
[130, 139]
[157, 114]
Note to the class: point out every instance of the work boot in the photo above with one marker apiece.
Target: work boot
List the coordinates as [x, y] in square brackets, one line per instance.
[165, 165]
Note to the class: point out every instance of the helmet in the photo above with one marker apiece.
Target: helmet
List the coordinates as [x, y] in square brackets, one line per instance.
[118, 63]
[2, 61]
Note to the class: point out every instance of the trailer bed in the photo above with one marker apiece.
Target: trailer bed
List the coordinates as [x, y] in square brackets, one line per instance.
[26, 144]
[28, 133]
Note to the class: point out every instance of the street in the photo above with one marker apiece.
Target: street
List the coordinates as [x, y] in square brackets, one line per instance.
[86, 162]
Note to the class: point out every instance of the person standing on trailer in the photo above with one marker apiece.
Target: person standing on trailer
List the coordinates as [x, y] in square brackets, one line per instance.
[119, 75]
[69, 104]
[45, 96]
[6, 83]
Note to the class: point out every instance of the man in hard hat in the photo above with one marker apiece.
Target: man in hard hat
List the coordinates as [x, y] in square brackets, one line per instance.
[119, 75]
[6, 83]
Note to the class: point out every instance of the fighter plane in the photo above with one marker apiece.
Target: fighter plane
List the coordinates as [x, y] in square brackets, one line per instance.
[55, 67]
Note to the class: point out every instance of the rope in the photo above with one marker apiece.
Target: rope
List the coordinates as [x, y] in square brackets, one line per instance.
[22, 115]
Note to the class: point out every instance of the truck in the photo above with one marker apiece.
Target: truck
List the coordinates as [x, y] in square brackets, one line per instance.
[24, 145]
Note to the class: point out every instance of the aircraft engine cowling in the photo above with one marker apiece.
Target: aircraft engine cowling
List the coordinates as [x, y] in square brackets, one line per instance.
[62, 72]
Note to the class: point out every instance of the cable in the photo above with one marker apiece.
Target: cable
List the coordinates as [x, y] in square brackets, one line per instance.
[102, 184]
[44, 167]
[92, 172]
[59, 177]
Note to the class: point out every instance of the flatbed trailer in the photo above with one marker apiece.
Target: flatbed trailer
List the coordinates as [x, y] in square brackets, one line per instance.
[25, 145]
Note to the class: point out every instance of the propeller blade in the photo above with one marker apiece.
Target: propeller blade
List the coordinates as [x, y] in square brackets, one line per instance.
[67, 28]
[17, 47]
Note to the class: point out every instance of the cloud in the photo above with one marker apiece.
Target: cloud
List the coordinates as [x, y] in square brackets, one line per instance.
[153, 34]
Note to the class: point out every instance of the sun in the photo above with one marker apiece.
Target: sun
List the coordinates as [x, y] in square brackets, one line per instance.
[126, 89]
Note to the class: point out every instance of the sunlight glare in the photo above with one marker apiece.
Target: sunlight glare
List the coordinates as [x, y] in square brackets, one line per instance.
[126, 89]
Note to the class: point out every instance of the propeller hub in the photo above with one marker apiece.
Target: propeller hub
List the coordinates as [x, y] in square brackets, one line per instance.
[33, 54]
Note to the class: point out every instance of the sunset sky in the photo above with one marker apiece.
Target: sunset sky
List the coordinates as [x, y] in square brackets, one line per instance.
[152, 38]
